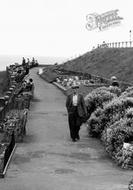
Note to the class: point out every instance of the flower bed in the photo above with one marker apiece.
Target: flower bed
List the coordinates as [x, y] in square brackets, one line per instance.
[22, 101]
[15, 121]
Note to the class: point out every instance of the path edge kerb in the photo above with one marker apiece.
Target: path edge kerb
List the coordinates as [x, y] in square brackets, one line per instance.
[63, 89]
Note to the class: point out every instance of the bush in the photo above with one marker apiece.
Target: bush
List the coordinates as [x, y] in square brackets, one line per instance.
[115, 90]
[118, 133]
[112, 121]
[129, 113]
[124, 157]
[97, 98]
[115, 110]
[128, 92]
[112, 111]
[115, 136]
[94, 127]
[129, 89]
[130, 185]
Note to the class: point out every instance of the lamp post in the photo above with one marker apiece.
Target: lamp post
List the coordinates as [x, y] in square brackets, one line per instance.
[130, 36]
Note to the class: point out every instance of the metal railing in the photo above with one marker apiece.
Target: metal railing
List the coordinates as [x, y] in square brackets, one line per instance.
[125, 44]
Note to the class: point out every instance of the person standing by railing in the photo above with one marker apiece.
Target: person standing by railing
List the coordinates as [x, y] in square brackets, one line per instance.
[23, 62]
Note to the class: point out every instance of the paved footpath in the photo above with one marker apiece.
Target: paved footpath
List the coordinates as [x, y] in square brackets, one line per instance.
[48, 160]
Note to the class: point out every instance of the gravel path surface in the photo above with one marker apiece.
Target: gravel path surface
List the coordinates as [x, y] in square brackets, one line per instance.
[48, 160]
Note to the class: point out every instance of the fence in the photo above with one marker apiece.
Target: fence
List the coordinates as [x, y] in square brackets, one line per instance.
[126, 44]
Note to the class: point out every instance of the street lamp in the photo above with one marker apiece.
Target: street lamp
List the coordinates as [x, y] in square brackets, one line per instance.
[130, 36]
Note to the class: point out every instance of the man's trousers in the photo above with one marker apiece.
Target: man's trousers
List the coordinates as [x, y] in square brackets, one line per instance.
[74, 124]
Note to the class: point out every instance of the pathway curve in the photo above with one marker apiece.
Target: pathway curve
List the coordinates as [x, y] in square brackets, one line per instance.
[48, 160]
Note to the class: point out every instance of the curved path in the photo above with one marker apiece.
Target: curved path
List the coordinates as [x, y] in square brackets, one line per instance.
[48, 160]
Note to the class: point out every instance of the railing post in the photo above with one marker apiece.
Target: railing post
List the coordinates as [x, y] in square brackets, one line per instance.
[129, 43]
[126, 44]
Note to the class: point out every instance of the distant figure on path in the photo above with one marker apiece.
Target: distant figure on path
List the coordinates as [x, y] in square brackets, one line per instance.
[28, 61]
[76, 112]
[33, 62]
[36, 63]
[27, 68]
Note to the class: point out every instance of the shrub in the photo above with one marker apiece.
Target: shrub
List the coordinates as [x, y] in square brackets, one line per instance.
[112, 111]
[115, 110]
[94, 127]
[97, 98]
[112, 121]
[129, 113]
[130, 185]
[129, 89]
[124, 157]
[128, 92]
[115, 90]
[114, 136]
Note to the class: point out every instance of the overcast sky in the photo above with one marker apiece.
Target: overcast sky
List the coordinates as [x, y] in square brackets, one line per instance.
[57, 27]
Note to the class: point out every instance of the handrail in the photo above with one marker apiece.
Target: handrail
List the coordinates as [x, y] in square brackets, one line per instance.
[125, 44]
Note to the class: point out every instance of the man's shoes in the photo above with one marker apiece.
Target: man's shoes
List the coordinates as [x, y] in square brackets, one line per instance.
[74, 140]
[78, 137]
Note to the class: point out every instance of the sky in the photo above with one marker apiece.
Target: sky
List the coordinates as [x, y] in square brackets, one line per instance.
[58, 27]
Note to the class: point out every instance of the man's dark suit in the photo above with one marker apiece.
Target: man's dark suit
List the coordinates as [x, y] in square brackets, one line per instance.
[75, 115]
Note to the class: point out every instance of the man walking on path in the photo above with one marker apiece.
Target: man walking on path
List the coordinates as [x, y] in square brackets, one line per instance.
[76, 112]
